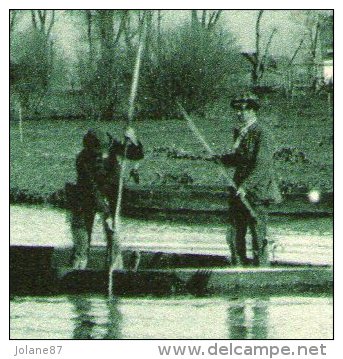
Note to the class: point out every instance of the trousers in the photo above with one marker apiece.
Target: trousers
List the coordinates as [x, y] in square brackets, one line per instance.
[82, 207]
[81, 224]
[239, 221]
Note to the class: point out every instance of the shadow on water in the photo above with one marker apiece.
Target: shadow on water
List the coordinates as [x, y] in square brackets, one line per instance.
[86, 324]
[248, 319]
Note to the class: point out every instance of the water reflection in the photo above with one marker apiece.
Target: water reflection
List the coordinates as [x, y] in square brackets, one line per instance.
[96, 317]
[248, 319]
[115, 319]
[84, 321]
[88, 326]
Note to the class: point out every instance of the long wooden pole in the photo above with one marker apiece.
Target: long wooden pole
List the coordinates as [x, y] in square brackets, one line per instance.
[116, 256]
[133, 94]
[209, 150]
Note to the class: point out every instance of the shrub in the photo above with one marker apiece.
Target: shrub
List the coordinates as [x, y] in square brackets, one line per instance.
[191, 66]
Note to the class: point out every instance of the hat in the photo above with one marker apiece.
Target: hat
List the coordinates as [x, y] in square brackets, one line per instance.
[246, 101]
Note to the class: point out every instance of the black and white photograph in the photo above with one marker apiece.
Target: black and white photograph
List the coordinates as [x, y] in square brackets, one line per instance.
[171, 174]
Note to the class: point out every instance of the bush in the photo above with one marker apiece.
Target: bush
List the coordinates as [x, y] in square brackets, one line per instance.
[105, 90]
[191, 66]
[31, 71]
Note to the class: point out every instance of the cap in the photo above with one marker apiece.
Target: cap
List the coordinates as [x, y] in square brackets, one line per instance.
[246, 101]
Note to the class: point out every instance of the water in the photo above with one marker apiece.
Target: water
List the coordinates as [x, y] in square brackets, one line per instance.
[95, 317]
[297, 240]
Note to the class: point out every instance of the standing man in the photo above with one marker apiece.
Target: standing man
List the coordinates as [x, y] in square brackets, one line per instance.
[96, 189]
[252, 157]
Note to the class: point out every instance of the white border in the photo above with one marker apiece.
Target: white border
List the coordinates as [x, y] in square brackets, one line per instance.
[144, 348]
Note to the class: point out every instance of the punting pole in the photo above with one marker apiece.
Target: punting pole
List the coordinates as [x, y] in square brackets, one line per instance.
[116, 256]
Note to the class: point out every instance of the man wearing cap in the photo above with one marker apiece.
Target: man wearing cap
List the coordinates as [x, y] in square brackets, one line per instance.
[96, 189]
[252, 157]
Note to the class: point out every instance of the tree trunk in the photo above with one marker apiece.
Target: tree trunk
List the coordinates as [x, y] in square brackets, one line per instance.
[105, 68]
[13, 19]
[89, 18]
[257, 66]
[194, 19]
[159, 33]
[315, 56]
[206, 20]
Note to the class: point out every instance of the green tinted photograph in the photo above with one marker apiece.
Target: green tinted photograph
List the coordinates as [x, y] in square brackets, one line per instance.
[171, 174]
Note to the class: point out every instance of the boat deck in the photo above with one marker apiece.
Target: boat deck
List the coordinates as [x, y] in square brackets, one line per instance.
[47, 270]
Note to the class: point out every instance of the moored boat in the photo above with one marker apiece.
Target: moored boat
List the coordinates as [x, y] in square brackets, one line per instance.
[47, 270]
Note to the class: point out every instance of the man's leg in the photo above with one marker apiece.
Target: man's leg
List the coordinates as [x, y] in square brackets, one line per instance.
[89, 222]
[114, 255]
[80, 240]
[236, 232]
[75, 217]
[258, 230]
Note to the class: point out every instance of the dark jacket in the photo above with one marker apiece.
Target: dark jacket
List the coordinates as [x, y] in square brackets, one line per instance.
[98, 177]
[253, 162]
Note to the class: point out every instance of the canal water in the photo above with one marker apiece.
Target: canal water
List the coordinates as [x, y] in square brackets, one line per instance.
[308, 240]
[94, 317]
[231, 317]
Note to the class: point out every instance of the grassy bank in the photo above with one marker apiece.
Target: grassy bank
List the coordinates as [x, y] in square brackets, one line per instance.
[44, 161]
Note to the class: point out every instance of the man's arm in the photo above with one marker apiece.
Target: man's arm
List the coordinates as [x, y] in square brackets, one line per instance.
[231, 159]
[133, 152]
[237, 157]
[134, 148]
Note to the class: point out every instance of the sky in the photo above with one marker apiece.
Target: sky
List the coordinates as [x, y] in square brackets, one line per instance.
[241, 23]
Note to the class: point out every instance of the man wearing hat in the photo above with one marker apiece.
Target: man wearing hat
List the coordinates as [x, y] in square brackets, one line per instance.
[252, 157]
[96, 189]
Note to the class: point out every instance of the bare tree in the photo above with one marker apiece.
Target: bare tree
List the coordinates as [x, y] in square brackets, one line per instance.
[43, 21]
[159, 28]
[13, 19]
[207, 19]
[312, 24]
[106, 30]
[108, 39]
[293, 57]
[259, 58]
[89, 15]
[133, 23]
[314, 21]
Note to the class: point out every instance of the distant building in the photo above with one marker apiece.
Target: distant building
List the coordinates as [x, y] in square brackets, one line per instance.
[328, 72]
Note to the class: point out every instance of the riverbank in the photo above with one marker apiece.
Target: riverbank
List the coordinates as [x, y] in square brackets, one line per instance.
[182, 201]
[44, 160]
